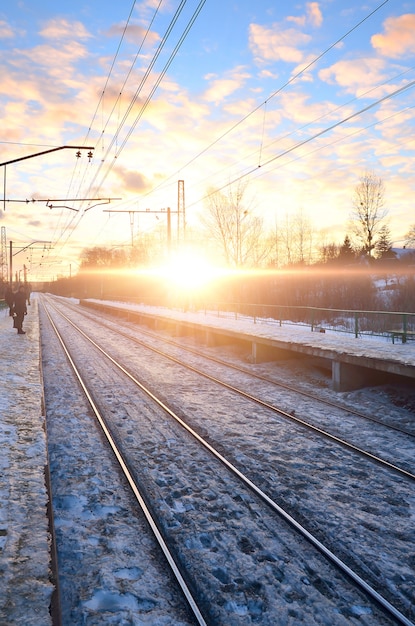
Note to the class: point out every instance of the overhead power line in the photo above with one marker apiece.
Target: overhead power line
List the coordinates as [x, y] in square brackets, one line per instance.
[270, 97]
[155, 87]
[134, 99]
[315, 136]
[96, 188]
[314, 121]
[111, 68]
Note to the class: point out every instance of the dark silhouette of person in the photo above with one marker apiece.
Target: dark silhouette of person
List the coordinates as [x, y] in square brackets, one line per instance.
[20, 309]
[9, 298]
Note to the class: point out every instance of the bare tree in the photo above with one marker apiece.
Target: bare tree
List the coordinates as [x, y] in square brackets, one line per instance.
[410, 236]
[328, 252]
[296, 238]
[235, 229]
[368, 210]
[103, 258]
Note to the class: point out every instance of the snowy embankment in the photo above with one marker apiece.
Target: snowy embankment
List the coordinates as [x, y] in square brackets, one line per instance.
[25, 588]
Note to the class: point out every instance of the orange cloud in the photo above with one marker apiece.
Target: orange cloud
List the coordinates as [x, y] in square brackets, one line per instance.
[222, 87]
[354, 76]
[398, 38]
[62, 29]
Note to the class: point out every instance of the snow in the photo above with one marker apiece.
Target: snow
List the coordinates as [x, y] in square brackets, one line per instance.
[364, 345]
[25, 586]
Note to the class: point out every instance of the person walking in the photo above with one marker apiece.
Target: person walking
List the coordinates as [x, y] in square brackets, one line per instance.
[9, 298]
[20, 309]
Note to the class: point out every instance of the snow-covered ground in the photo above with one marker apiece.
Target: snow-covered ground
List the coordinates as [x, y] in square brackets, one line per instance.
[25, 588]
[342, 343]
[261, 448]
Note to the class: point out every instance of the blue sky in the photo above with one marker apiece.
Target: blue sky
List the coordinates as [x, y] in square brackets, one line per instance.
[298, 99]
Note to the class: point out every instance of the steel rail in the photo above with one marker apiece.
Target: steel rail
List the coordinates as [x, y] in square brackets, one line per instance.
[265, 379]
[170, 559]
[362, 584]
[271, 407]
[262, 378]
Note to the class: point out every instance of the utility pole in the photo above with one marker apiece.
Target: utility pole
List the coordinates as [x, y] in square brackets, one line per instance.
[181, 211]
[148, 211]
[18, 252]
[3, 255]
[131, 214]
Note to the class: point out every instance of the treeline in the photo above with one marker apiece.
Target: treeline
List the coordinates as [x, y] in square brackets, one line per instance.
[382, 285]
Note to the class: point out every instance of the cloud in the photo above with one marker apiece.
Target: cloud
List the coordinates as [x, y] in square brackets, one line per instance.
[57, 59]
[313, 16]
[398, 38]
[355, 77]
[132, 181]
[220, 88]
[146, 8]
[277, 44]
[299, 107]
[63, 29]
[134, 33]
[5, 30]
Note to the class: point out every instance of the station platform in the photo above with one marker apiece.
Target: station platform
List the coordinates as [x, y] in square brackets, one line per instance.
[25, 553]
[355, 362]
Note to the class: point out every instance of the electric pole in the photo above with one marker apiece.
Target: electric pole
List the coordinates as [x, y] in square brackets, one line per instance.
[3, 255]
[167, 211]
[181, 212]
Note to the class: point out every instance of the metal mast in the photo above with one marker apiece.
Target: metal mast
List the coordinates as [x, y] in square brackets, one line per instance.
[3, 256]
[181, 213]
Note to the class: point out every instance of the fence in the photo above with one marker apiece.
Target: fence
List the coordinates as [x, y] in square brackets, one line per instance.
[390, 324]
[358, 323]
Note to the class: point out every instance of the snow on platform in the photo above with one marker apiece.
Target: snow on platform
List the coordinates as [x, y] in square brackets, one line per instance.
[25, 587]
[364, 345]
[355, 361]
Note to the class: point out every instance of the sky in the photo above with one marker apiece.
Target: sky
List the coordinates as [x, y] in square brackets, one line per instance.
[295, 100]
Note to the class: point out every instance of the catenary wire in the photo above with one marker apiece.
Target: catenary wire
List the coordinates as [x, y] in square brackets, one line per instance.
[308, 124]
[139, 88]
[312, 138]
[240, 121]
[155, 87]
[126, 77]
[169, 30]
[270, 97]
[74, 220]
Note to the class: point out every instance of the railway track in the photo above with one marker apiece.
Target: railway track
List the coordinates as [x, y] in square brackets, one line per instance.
[165, 340]
[252, 593]
[338, 425]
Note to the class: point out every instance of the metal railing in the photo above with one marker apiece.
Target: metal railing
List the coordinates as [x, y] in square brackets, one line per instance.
[359, 323]
[355, 322]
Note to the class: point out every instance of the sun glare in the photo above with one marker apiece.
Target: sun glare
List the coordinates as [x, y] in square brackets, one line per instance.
[190, 272]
